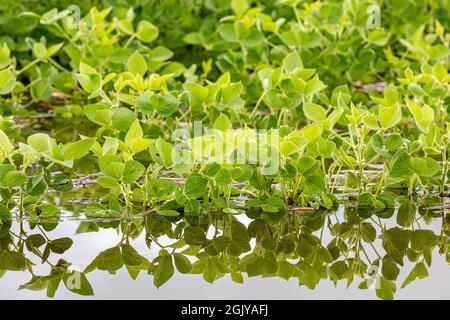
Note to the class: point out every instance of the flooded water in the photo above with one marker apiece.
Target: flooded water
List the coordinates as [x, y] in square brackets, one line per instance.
[300, 255]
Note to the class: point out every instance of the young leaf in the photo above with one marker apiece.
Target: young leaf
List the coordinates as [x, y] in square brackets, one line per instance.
[137, 64]
[146, 32]
[222, 123]
[314, 112]
[78, 149]
[390, 116]
[5, 143]
[134, 133]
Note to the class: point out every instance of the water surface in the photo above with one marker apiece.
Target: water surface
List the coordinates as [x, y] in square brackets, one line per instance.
[289, 255]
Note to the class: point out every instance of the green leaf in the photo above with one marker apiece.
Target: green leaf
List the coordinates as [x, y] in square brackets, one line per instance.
[105, 161]
[163, 152]
[400, 164]
[425, 167]
[223, 177]
[7, 81]
[195, 186]
[168, 213]
[39, 50]
[115, 170]
[123, 118]
[107, 182]
[4, 169]
[14, 178]
[314, 112]
[395, 242]
[239, 7]
[36, 185]
[133, 171]
[390, 116]
[192, 207]
[5, 143]
[50, 211]
[222, 123]
[78, 149]
[146, 32]
[134, 133]
[62, 183]
[292, 63]
[419, 271]
[13, 261]
[136, 64]
[5, 214]
[161, 188]
[312, 131]
[99, 113]
[35, 241]
[40, 142]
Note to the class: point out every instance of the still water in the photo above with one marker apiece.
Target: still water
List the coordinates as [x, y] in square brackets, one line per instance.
[290, 255]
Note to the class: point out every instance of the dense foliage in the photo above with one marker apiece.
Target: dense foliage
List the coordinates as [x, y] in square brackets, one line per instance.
[325, 101]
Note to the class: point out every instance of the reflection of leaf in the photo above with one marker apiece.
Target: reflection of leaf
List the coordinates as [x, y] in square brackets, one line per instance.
[239, 235]
[405, 215]
[60, 245]
[308, 275]
[211, 270]
[164, 269]
[395, 242]
[11, 260]
[389, 269]
[285, 270]
[385, 289]
[338, 270]
[110, 259]
[304, 246]
[182, 263]
[5, 214]
[77, 282]
[53, 281]
[87, 226]
[130, 256]
[36, 283]
[368, 232]
[35, 241]
[237, 277]
[194, 235]
[419, 271]
[422, 239]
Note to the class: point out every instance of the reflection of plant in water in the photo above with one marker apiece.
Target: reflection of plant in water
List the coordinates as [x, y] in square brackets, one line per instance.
[12, 257]
[270, 245]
